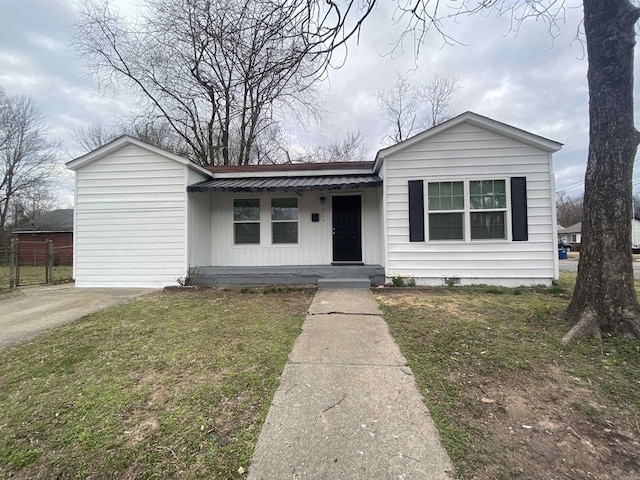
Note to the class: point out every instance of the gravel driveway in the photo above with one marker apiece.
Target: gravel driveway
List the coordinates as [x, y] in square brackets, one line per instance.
[35, 309]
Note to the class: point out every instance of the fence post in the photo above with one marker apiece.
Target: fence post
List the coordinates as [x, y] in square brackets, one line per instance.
[49, 261]
[13, 264]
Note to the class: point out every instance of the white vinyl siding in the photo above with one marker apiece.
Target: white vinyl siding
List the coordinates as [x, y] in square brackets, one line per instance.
[199, 229]
[462, 153]
[131, 220]
[314, 245]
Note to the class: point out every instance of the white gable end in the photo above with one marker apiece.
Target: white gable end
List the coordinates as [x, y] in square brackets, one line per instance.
[130, 219]
[467, 152]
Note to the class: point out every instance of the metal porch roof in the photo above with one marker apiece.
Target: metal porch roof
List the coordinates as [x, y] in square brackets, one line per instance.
[287, 184]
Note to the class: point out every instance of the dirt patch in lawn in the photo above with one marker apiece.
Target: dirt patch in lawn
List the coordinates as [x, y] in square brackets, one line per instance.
[551, 428]
[508, 399]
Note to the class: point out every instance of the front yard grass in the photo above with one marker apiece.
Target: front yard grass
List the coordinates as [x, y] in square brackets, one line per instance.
[169, 385]
[508, 399]
[178, 385]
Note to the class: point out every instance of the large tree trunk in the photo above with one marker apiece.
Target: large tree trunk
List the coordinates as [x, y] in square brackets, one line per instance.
[604, 298]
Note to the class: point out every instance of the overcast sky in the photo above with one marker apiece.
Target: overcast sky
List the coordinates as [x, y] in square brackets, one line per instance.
[529, 80]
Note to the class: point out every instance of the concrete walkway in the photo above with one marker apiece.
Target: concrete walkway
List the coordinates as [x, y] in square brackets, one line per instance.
[348, 405]
[36, 309]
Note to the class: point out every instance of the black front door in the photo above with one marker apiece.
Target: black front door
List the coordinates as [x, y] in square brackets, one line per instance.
[347, 235]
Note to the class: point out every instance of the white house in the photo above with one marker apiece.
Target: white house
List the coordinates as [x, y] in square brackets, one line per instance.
[471, 199]
[570, 234]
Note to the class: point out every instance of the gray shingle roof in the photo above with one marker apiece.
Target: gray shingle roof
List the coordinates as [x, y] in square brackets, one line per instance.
[575, 228]
[55, 221]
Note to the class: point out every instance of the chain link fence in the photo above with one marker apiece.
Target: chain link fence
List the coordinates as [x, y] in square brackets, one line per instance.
[5, 266]
[62, 268]
[33, 263]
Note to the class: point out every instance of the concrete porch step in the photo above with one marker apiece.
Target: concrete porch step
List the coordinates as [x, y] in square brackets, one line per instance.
[286, 275]
[344, 283]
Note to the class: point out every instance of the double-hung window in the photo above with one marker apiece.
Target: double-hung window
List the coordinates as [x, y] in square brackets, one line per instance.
[246, 221]
[446, 210]
[488, 205]
[284, 220]
[467, 210]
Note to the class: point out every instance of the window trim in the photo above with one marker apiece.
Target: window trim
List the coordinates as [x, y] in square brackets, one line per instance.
[504, 210]
[449, 211]
[466, 234]
[235, 222]
[296, 221]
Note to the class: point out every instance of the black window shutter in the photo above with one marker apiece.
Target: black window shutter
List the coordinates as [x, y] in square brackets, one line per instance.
[416, 211]
[519, 223]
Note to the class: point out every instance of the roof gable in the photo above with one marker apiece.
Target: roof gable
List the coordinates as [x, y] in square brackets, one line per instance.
[575, 228]
[124, 141]
[479, 121]
[54, 221]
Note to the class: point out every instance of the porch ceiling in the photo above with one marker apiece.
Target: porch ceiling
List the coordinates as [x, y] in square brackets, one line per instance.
[287, 184]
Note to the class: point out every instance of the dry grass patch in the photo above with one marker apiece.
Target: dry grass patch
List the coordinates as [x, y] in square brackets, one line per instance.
[508, 399]
[172, 385]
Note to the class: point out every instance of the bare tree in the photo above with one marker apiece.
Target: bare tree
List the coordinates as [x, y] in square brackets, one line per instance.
[94, 136]
[156, 132]
[350, 149]
[568, 209]
[214, 70]
[32, 203]
[400, 107]
[27, 157]
[437, 97]
[410, 109]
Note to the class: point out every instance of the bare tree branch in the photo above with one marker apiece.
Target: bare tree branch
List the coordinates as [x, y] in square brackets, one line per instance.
[409, 109]
[215, 71]
[27, 155]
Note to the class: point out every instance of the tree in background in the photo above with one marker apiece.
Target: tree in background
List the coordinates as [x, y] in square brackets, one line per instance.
[217, 72]
[411, 109]
[28, 165]
[568, 209]
[350, 149]
[155, 132]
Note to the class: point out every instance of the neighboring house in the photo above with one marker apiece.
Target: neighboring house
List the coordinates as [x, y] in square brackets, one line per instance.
[471, 199]
[570, 234]
[56, 226]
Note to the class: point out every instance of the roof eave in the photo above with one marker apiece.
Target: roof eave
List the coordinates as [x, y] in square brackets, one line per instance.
[479, 121]
[122, 142]
[40, 231]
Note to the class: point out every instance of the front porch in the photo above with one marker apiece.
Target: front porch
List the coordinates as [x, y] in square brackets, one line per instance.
[283, 275]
